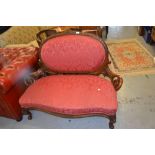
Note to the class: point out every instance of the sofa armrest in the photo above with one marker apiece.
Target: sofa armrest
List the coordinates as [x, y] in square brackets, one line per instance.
[17, 70]
[34, 76]
[116, 80]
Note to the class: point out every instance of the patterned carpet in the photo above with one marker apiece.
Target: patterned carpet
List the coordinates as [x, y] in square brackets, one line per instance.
[129, 56]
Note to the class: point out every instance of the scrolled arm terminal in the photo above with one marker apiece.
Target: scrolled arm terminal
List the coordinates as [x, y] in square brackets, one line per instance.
[116, 80]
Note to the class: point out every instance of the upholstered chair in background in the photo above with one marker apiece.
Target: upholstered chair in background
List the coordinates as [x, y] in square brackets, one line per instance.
[20, 35]
[15, 64]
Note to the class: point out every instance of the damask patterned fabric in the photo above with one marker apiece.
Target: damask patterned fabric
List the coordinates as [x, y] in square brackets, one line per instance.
[71, 94]
[47, 27]
[32, 43]
[18, 35]
[21, 34]
[15, 63]
[73, 53]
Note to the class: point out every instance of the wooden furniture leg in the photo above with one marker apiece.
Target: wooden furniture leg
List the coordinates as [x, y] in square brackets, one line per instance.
[112, 120]
[107, 31]
[27, 112]
[19, 119]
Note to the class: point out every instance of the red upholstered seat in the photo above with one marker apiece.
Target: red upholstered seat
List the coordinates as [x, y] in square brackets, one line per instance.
[73, 53]
[71, 94]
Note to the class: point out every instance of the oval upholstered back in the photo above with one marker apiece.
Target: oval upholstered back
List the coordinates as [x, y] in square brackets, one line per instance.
[72, 53]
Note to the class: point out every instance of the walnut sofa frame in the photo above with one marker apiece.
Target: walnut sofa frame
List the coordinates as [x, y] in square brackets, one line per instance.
[43, 71]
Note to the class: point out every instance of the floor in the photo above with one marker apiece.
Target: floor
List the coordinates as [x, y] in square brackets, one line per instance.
[136, 101]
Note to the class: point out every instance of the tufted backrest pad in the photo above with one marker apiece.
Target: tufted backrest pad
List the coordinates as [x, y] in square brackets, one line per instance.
[8, 55]
[73, 53]
[15, 64]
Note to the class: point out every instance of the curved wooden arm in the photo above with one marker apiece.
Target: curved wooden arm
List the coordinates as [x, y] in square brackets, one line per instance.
[34, 76]
[116, 80]
[47, 32]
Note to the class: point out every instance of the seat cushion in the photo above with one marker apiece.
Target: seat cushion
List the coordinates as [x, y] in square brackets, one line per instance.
[71, 94]
[73, 53]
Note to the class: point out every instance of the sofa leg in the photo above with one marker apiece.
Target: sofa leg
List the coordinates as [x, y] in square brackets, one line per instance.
[112, 120]
[19, 119]
[27, 112]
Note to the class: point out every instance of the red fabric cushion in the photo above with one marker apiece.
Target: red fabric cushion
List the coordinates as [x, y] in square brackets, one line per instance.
[71, 94]
[73, 53]
[7, 55]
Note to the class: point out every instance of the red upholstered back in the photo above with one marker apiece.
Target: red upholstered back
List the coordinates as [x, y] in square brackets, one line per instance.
[73, 53]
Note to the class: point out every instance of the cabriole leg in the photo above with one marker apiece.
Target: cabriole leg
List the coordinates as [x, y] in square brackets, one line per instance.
[112, 120]
[19, 119]
[27, 112]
